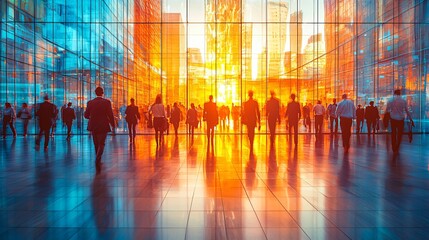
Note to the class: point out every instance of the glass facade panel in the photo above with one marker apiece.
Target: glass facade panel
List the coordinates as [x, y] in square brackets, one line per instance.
[190, 49]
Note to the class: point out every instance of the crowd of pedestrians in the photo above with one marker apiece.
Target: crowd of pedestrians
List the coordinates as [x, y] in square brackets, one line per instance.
[101, 119]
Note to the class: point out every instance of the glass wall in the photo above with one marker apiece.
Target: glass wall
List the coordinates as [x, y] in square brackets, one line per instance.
[187, 50]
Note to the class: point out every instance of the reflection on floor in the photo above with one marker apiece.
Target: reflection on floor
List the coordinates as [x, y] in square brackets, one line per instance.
[312, 191]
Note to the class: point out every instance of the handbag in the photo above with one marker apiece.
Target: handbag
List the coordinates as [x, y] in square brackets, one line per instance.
[149, 121]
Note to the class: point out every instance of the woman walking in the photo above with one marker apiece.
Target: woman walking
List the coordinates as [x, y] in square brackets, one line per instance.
[8, 119]
[25, 115]
[132, 116]
[192, 120]
[158, 113]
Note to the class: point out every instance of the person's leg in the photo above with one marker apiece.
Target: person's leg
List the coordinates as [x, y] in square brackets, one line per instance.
[130, 131]
[251, 135]
[26, 126]
[348, 131]
[272, 127]
[46, 131]
[69, 127]
[400, 133]
[39, 136]
[336, 124]
[12, 127]
[95, 141]
[134, 126]
[295, 132]
[331, 122]
[101, 141]
[343, 131]
[368, 126]
[156, 137]
[394, 133]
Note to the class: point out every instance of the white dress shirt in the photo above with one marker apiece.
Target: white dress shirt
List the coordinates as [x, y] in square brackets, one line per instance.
[346, 109]
[319, 109]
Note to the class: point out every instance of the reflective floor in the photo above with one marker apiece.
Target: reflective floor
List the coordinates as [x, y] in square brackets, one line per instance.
[312, 191]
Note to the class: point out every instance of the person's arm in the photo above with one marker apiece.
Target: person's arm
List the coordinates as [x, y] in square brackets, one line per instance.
[299, 111]
[279, 111]
[110, 114]
[137, 113]
[258, 114]
[87, 113]
[338, 111]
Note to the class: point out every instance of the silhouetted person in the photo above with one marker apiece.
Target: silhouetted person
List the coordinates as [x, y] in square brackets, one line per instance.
[319, 112]
[175, 117]
[9, 117]
[397, 107]
[331, 111]
[235, 114]
[68, 116]
[168, 116]
[293, 114]
[54, 122]
[306, 116]
[46, 113]
[192, 120]
[101, 121]
[372, 116]
[273, 115]
[211, 116]
[360, 117]
[159, 119]
[252, 117]
[346, 111]
[132, 116]
[25, 115]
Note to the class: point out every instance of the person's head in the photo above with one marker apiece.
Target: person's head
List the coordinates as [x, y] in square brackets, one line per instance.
[132, 101]
[46, 98]
[7, 105]
[397, 92]
[192, 105]
[272, 93]
[211, 98]
[250, 93]
[319, 102]
[69, 104]
[344, 96]
[175, 105]
[158, 99]
[334, 100]
[292, 96]
[359, 106]
[99, 91]
[24, 105]
[371, 103]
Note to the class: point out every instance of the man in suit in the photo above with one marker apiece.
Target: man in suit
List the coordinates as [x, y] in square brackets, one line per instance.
[252, 117]
[372, 116]
[132, 116]
[100, 114]
[273, 115]
[293, 114]
[211, 116]
[46, 113]
[68, 116]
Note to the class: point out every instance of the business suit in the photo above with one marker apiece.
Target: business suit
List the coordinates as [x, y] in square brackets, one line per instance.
[273, 114]
[253, 116]
[46, 113]
[293, 113]
[132, 115]
[100, 114]
[68, 117]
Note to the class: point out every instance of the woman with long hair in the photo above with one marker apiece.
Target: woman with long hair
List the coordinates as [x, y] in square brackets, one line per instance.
[158, 112]
[192, 120]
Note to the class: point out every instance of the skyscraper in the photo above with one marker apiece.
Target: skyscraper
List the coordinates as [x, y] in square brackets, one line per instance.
[295, 38]
[276, 36]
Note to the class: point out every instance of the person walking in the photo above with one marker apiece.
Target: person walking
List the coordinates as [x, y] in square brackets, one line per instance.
[332, 108]
[319, 112]
[372, 116]
[273, 115]
[293, 114]
[68, 116]
[99, 112]
[9, 117]
[306, 116]
[192, 120]
[25, 116]
[132, 116]
[397, 107]
[176, 115]
[360, 117]
[346, 111]
[252, 117]
[54, 122]
[46, 113]
[159, 118]
[211, 116]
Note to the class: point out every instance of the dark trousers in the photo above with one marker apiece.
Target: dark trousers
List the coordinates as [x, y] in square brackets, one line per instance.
[7, 120]
[251, 135]
[346, 129]
[359, 125]
[26, 121]
[69, 127]
[371, 125]
[272, 124]
[46, 130]
[318, 123]
[293, 125]
[331, 124]
[99, 140]
[132, 129]
[397, 131]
